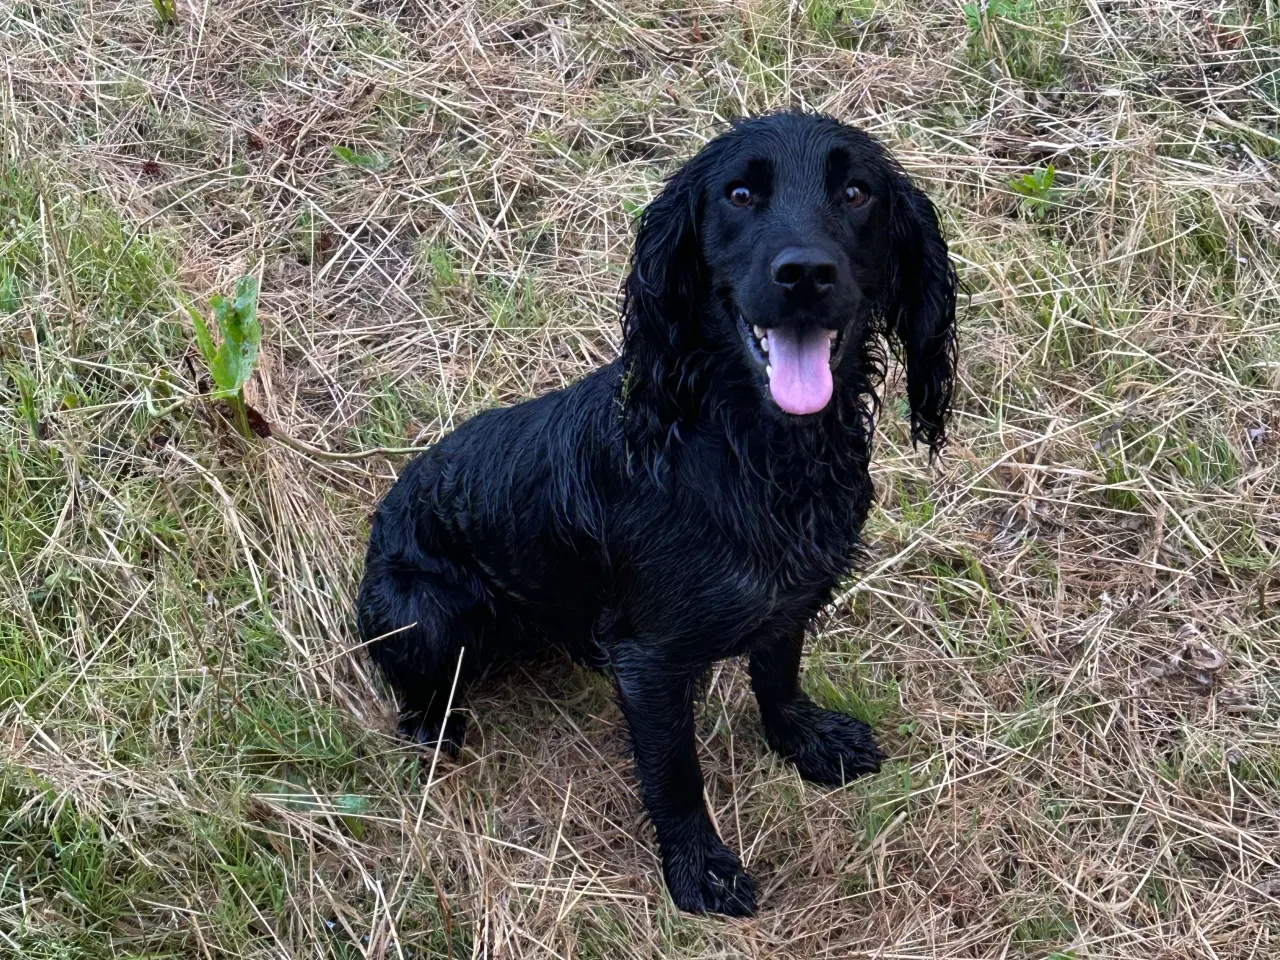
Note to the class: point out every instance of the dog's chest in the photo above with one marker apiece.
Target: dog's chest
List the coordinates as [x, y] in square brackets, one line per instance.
[722, 549]
[799, 535]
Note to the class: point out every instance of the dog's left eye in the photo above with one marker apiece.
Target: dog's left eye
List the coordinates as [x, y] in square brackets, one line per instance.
[854, 195]
[740, 195]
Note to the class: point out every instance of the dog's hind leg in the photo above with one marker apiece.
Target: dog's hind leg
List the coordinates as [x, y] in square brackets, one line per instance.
[426, 629]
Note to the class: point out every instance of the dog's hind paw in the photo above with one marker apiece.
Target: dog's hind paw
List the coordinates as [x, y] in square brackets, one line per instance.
[707, 877]
[428, 731]
[826, 746]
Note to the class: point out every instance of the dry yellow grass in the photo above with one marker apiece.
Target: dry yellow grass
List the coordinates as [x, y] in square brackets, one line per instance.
[1068, 636]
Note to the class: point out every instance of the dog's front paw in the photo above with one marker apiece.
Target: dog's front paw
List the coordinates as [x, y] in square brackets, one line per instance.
[706, 876]
[826, 746]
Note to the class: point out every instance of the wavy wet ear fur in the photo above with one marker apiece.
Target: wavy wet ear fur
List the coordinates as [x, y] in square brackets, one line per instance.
[920, 311]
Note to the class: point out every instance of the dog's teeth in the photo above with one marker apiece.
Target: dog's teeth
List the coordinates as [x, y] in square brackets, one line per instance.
[768, 371]
[764, 344]
[832, 334]
[758, 331]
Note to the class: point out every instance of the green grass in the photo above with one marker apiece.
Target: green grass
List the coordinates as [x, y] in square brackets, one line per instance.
[158, 653]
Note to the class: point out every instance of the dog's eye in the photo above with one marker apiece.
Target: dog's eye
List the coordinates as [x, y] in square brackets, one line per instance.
[854, 195]
[740, 195]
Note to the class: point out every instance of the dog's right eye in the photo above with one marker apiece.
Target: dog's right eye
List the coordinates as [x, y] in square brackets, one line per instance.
[740, 195]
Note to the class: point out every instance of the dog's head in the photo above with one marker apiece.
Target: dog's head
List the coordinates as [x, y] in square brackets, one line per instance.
[781, 248]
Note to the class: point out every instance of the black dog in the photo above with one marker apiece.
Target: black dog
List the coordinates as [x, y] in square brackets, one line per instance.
[700, 497]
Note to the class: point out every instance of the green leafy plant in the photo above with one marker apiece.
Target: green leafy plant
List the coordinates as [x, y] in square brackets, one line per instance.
[10, 301]
[1037, 191]
[985, 11]
[843, 22]
[1024, 36]
[232, 362]
[365, 161]
[26, 405]
[442, 265]
[167, 11]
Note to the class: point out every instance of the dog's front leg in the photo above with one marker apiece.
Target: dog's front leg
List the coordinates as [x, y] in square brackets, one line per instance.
[702, 873]
[827, 746]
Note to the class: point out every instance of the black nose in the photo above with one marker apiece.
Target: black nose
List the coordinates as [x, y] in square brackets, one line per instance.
[799, 268]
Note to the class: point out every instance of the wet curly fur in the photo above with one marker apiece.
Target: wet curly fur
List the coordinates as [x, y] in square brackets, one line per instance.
[665, 512]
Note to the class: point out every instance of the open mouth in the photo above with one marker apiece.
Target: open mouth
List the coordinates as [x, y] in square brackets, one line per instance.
[797, 363]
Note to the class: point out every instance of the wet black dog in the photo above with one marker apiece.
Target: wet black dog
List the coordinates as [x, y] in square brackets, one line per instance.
[700, 497]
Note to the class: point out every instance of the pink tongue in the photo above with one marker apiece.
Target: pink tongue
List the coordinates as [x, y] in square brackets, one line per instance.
[801, 378]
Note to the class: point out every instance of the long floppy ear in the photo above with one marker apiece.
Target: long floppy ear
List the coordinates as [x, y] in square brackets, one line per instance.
[921, 311]
[660, 297]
